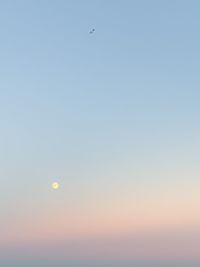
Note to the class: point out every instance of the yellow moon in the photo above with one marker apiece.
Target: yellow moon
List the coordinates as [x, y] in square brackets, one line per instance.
[55, 185]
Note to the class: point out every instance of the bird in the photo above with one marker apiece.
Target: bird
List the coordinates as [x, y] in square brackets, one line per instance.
[92, 31]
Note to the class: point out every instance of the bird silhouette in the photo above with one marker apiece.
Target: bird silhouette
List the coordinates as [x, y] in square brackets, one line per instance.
[92, 31]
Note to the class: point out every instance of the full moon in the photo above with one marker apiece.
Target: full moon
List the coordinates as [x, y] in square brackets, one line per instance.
[55, 185]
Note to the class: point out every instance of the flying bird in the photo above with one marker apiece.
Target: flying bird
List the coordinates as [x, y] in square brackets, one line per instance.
[92, 31]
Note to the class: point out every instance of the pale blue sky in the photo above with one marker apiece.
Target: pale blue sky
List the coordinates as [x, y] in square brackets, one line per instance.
[67, 95]
[106, 114]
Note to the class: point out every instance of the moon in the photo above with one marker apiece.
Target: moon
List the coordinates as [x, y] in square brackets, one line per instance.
[55, 185]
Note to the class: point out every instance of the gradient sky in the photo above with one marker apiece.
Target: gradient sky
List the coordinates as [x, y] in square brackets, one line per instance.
[114, 117]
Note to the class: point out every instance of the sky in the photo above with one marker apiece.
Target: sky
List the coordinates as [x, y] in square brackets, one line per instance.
[112, 116]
